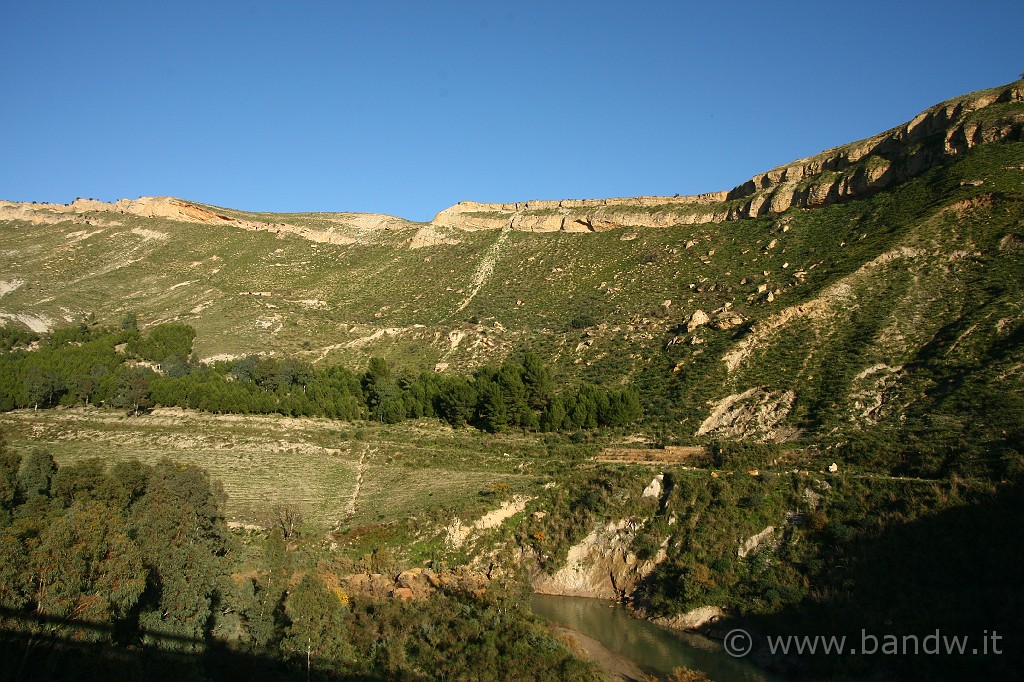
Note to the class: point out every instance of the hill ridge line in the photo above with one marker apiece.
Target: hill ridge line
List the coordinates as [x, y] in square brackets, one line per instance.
[935, 136]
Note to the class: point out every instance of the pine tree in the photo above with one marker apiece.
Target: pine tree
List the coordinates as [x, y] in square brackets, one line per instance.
[316, 632]
[490, 406]
[36, 475]
[537, 379]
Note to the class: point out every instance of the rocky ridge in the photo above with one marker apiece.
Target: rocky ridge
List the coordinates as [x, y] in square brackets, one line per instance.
[933, 137]
[332, 228]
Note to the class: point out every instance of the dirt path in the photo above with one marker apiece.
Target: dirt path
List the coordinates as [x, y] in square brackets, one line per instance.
[350, 509]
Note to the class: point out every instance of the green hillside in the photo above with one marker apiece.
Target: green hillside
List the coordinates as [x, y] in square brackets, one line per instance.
[892, 309]
[828, 361]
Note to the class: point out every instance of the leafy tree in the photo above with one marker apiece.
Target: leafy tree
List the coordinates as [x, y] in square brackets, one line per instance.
[294, 372]
[37, 472]
[133, 389]
[265, 373]
[81, 481]
[126, 482]
[9, 462]
[180, 529]
[264, 613]
[244, 369]
[15, 577]
[41, 387]
[316, 630]
[86, 567]
[175, 365]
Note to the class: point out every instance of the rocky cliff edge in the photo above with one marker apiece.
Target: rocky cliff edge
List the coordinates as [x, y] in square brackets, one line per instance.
[933, 137]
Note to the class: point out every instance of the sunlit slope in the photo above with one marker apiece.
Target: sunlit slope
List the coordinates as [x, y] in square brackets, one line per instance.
[876, 310]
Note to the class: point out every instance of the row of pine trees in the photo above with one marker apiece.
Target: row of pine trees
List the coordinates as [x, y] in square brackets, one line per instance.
[124, 368]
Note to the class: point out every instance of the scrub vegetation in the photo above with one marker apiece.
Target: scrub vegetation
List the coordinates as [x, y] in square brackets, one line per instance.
[333, 449]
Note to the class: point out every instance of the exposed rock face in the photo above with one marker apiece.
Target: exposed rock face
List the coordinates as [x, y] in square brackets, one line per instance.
[92, 212]
[654, 487]
[752, 414]
[584, 215]
[755, 542]
[931, 138]
[458, 532]
[600, 566]
[429, 235]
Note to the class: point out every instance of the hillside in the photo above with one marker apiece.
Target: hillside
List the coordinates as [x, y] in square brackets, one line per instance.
[829, 357]
[859, 287]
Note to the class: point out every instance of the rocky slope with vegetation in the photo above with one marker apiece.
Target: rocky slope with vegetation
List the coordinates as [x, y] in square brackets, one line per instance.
[851, 171]
[745, 407]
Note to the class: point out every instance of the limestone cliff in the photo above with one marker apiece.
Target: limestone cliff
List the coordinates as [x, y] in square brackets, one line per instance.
[931, 138]
[332, 228]
[602, 565]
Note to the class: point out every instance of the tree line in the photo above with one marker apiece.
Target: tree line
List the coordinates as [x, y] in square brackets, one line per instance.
[124, 368]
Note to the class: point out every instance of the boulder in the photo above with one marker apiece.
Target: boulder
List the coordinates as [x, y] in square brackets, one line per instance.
[697, 319]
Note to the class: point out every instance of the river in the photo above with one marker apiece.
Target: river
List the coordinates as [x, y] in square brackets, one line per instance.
[653, 648]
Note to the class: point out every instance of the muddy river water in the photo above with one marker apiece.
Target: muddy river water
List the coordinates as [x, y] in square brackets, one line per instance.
[651, 647]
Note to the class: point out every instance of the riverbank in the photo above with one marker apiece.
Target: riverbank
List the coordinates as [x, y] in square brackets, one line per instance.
[646, 646]
[615, 666]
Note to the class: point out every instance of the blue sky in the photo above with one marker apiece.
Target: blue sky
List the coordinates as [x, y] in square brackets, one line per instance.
[408, 107]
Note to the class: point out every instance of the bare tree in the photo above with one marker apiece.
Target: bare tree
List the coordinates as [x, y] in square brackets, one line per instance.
[287, 519]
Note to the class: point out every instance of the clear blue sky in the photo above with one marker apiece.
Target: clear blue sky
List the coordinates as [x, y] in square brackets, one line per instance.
[408, 107]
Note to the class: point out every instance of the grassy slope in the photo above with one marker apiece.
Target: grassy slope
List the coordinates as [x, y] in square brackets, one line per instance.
[944, 271]
[310, 464]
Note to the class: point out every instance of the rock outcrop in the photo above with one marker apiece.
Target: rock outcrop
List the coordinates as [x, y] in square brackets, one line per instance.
[413, 584]
[691, 620]
[755, 413]
[584, 215]
[933, 137]
[335, 228]
[602, 565]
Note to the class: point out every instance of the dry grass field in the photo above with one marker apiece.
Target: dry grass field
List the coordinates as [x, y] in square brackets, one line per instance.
[335, 473]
